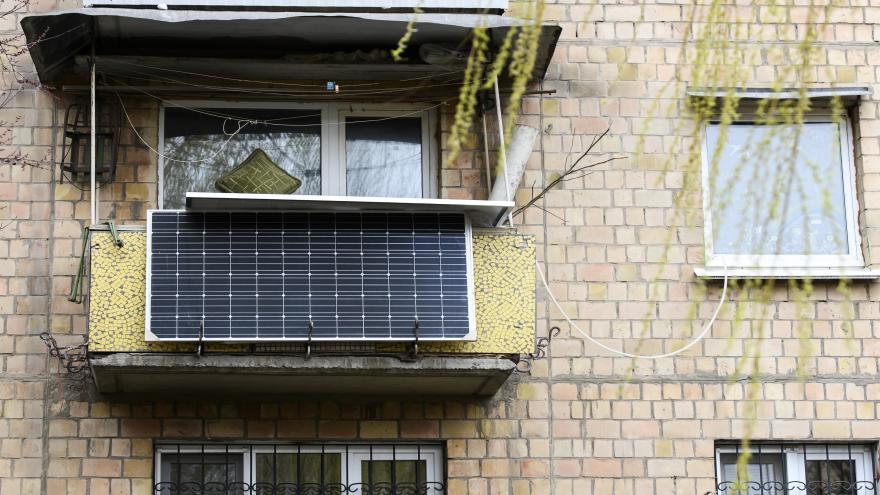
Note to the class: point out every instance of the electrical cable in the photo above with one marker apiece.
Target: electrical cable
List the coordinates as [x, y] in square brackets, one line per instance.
[612, 350]
[274, 83]
[272, 121]
[322, 93]
[241, 125]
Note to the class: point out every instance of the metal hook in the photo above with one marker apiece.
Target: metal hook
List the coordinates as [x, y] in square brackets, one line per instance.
[524, 369]
[309, 342]
[201, 337]
[414, 349]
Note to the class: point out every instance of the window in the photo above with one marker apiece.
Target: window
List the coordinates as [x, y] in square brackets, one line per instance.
[780, 195]
[333, 149]
[299, 468]
[790, 469]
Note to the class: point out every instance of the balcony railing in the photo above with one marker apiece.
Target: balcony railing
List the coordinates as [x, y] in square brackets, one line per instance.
[124, 361]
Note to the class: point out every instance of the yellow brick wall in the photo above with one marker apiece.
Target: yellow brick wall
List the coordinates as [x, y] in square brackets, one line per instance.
[504, 280]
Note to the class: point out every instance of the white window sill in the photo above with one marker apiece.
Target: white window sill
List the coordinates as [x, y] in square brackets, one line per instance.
[483, 213]
[815, 273]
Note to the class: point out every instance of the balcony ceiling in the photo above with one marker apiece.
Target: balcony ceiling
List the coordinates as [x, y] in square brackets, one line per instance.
[249, 44]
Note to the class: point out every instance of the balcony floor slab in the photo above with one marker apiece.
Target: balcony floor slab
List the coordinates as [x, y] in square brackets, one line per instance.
[176, 375]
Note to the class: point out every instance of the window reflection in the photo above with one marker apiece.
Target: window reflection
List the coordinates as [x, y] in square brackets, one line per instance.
[300, 469]
[768, 202]
[383, 157]
[200, 146]
[831, 477]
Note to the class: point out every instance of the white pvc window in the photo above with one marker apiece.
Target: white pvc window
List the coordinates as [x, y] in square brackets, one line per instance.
[312, 468]
[808, 469]
[780, 195]
[333, 149]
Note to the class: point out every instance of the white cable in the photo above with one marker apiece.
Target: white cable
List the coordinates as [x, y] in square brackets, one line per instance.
[241, 125]
[626, 354]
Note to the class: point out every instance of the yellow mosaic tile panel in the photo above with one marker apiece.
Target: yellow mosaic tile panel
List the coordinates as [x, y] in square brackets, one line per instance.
[504, 282]
[117, 295]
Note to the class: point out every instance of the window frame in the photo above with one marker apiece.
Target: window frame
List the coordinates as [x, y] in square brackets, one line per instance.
[333, 166]
[795, 456]
[805, 262]
[429, 146]
[180, 449]
[351, 456]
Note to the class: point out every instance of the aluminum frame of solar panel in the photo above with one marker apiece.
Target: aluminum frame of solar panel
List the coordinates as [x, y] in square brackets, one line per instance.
[425, 332]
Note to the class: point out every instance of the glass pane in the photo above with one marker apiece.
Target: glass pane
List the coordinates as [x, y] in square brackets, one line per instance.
[384, 158]
[200, 148]
[764, 477]
[831, 477]
[406, 477]
[300, 469]
[769, 200]
[195, 473]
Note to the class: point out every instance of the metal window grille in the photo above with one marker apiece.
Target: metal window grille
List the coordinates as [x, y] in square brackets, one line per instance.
[797, 469]
[299, 469]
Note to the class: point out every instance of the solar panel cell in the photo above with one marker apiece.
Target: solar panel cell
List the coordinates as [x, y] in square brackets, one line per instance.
[267, 275]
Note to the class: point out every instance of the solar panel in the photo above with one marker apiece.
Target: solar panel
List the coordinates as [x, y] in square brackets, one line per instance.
[239, 276]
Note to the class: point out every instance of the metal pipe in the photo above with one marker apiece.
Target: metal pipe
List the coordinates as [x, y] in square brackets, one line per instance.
[503, 152]
[503, 148]
[486, 151]
[94, 143]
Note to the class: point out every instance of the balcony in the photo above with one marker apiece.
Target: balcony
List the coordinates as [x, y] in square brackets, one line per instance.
[207, 67]
[124, 362]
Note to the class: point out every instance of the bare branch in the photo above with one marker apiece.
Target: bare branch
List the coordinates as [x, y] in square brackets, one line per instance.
[571, 172]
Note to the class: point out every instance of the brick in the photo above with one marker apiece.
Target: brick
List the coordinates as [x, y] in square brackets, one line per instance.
[188, 428]
[458, 429]
[289, 428]
[419, 429]
[140, 427]
[98, 428]
[228, 428]
[104, 468]
[338, 429]
[137, 468]
[378, 429]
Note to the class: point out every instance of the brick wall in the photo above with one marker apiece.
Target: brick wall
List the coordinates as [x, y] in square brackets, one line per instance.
[583, 421]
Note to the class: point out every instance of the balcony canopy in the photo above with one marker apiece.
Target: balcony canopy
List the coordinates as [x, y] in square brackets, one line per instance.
[253, 44]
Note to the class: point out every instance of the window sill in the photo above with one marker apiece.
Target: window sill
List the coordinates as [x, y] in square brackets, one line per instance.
[483, 213]
[815, 273]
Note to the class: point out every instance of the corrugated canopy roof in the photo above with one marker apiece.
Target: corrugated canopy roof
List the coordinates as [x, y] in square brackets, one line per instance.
[249, 43]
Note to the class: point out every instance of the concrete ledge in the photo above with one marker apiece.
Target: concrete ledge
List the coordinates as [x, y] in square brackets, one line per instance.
[170, 375]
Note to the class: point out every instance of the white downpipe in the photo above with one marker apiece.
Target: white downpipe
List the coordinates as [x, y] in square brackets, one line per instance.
[92, 148]
[522, 142]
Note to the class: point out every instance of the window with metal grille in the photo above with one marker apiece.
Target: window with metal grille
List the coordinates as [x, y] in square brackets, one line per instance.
[321, 468]
[788, 468]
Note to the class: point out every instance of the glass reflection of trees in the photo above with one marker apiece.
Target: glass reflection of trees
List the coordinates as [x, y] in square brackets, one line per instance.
[200, 148]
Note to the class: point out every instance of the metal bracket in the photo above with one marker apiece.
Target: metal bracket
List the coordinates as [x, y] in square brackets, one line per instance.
[199, 348]
[115, 233]
[414, 347]
[309, 342]
[541, 344]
